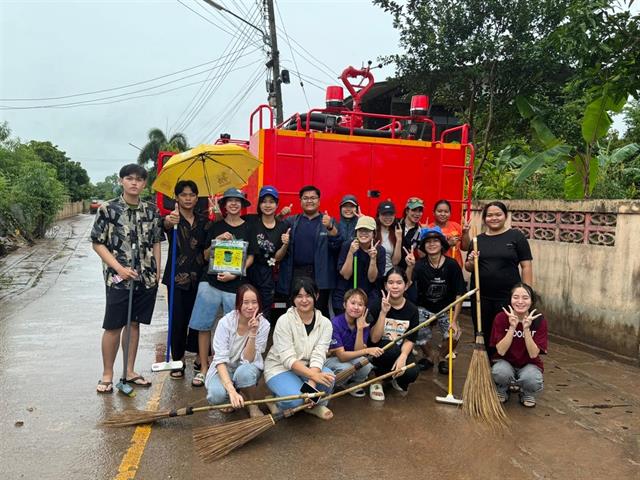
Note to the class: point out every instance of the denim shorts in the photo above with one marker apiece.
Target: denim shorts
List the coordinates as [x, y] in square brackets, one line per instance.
[426, 334]
[208, 301]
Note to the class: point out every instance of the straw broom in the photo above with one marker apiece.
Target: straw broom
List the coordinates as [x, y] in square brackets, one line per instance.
[213, 443]
[344, 375]
[139, 417]
[479, 393]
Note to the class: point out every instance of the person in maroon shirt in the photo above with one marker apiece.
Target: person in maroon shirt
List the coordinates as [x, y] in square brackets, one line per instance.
[519, 336]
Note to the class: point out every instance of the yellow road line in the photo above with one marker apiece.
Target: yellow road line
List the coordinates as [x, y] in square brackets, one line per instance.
[131, 461]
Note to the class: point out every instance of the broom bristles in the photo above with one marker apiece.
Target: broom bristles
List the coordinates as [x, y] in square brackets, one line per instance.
[479, 392]
[344, 375]
[135, 417]
[213, 443]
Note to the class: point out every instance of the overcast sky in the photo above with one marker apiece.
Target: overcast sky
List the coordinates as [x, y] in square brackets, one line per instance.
[64, 48]
[61, 48]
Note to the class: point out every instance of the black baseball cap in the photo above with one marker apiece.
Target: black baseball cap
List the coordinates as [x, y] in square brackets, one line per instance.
[386, 207]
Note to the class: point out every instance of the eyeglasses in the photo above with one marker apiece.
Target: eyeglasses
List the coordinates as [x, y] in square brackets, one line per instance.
[310, 199]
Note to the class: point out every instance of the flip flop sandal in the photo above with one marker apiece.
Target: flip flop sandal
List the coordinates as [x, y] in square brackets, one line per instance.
[376, 392]
[139, 381]
[528, 402]
[321, 412]
[359, 393]
[198, 380]
[228, 410]
[177, 374]
[108, 387]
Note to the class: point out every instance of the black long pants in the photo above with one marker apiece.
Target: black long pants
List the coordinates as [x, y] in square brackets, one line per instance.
[489, 308]
[261, 277]
[183, 301]
[384, 363]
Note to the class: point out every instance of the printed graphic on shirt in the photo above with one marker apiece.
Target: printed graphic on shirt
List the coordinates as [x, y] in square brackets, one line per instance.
[267, 249]
[437, 290]
[520, 333]
[393, 328]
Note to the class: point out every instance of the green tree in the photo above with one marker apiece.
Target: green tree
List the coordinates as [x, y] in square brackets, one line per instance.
[157, 141]
[476, 56]
[108, 188]
[72, 175]
[632, 121]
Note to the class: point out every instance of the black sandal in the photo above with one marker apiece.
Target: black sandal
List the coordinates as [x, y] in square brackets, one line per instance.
[177, 374]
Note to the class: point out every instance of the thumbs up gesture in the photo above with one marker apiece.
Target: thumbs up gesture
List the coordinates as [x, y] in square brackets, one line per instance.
[327, 221]
[285, 237]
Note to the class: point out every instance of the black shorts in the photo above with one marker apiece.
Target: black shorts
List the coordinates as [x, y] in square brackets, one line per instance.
[115, 315]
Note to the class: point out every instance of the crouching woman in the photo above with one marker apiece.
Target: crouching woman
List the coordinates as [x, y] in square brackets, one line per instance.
[520, 336]
[301, 339]
[238, 344]
[349, 339]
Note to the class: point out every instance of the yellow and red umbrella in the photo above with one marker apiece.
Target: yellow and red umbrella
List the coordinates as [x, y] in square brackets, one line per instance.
[214, 168]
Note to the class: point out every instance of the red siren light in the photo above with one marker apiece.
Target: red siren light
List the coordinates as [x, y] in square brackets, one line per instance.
[419, 105]
[334, 97]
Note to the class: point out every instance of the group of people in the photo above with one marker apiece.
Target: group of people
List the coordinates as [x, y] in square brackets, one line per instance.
[380, 276]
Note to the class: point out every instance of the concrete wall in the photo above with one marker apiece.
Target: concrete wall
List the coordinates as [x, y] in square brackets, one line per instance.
[70, 209]
[590, 289]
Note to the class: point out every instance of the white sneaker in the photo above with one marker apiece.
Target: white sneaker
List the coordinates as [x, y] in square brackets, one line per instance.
[397, 387]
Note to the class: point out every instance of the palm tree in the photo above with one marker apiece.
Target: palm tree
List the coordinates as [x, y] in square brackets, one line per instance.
[158, 142]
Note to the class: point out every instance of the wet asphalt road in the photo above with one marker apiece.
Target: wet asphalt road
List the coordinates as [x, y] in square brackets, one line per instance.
[51, 307]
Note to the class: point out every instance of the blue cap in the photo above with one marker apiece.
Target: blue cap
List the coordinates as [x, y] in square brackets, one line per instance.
[433, 232]
[268, 190]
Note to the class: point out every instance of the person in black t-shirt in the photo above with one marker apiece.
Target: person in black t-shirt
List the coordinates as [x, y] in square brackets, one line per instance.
[394, 315]
[219, 289]
[504, 259]
[272, 239]
[439, 282]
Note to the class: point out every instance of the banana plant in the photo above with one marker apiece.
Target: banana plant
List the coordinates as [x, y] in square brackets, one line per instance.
[582, 161]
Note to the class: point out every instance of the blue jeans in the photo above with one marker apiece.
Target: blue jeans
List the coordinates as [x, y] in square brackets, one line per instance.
[246, 375]
[288, 383]
[529, 378]
[208, 302]
[337, 366]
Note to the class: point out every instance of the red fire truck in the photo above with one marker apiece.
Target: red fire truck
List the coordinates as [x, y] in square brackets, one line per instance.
[373, 156]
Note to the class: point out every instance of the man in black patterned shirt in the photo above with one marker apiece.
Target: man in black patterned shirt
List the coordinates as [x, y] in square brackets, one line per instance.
[120, 223]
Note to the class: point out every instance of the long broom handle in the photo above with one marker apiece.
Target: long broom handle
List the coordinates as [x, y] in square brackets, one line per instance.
[291, 411]
[125, 360]
[476, 274]
[450, 392]
[180, 412]
[355, 271]
[174, 249]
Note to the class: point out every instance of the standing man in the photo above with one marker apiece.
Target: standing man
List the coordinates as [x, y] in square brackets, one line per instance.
[119, 224]
[314, 242]
[190, 264]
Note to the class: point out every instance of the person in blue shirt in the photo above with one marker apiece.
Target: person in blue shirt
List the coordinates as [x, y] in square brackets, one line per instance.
[349, 339]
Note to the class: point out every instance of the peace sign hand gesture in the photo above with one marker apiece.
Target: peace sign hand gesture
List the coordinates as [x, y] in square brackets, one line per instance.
[398, 232]
[410, 258]
[373, 251]
[528, 320]
[385, 306]
[361, 322]
[254, 323]
[513, 318]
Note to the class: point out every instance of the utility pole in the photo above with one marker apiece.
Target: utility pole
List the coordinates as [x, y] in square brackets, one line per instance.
[275, 62]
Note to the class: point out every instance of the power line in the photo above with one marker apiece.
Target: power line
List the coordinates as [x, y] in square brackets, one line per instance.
[295, 63]
[142, 82]
[101, 101]
[202, 96]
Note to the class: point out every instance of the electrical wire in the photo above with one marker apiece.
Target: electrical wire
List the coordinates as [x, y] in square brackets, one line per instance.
[120, 100]
[232, 107]
[204, 94]
[333, 75]
[295, 63]
[121, 87]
